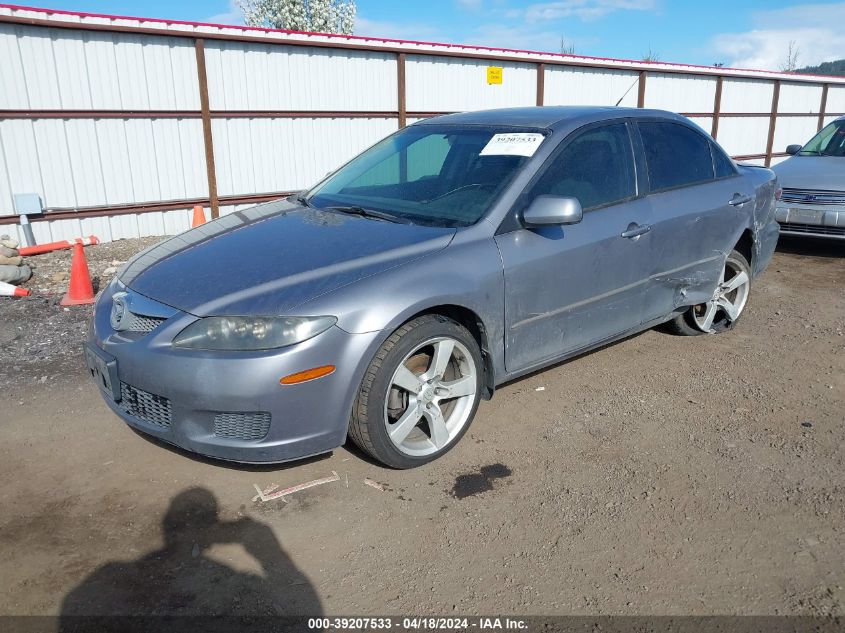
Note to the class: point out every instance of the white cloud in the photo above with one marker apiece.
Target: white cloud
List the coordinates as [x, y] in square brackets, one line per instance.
[522, 37]
[583, 9]
[496, 35]
[517, 37]
[397, 30]
[525, 29]
[815, 28]
[233, 16]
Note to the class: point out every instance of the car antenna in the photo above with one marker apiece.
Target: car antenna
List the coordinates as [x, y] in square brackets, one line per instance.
[627, 91]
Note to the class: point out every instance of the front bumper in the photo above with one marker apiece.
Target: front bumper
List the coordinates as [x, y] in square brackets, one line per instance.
[230, 405]
[799, 219]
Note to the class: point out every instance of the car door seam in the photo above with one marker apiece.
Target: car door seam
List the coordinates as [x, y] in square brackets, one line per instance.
[583, 302]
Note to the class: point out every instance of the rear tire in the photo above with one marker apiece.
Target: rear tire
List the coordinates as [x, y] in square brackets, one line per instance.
[722, 312]
[419, 394]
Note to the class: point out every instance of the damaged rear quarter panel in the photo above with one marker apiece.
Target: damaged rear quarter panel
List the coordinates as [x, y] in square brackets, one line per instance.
[695, 229]
[764, 228]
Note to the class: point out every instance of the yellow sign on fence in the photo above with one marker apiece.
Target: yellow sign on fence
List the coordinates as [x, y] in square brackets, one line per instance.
[494, 74]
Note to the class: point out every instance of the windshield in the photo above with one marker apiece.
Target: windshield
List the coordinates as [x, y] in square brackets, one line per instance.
[442, 175]
[829, 142]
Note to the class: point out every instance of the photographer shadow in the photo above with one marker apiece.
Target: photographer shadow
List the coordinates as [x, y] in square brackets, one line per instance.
[181, 580]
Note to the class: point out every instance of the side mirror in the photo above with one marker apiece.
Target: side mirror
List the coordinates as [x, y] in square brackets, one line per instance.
[793, 149]
[552, 210]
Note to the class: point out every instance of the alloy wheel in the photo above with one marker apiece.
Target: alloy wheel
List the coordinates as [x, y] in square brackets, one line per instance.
[431, 396]
[728, 300]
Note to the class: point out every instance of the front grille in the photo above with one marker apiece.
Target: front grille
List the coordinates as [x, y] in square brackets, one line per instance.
[140, 323]
[242, 426]
[791, 227]
[144, 405]
[813, 196]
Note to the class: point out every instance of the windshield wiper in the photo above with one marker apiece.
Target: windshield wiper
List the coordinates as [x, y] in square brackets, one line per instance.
[370, 213]
[305, 202]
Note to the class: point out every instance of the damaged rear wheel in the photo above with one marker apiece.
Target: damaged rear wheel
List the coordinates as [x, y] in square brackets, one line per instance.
[723, 310]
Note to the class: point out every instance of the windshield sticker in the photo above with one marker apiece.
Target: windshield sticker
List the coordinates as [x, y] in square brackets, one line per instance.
[515, 144]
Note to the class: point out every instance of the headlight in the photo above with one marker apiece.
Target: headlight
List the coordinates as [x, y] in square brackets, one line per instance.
[250, 333]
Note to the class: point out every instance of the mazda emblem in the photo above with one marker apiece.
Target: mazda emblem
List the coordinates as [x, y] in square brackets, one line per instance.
[118, 310]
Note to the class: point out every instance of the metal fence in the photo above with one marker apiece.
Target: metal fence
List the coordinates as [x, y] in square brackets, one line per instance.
[123, 124]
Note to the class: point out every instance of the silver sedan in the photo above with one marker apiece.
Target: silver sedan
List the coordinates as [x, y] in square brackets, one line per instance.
[813, 181]
[459, 253]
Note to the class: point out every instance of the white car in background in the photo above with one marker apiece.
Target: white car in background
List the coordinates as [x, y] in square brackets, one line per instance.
[813, 182]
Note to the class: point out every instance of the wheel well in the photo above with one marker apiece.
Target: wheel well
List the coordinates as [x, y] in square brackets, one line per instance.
[472, 322]
[745, 245]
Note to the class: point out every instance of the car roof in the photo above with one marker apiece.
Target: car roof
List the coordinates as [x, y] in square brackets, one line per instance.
[550, 117]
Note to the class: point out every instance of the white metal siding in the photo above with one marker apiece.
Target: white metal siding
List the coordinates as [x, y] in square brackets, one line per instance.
[680, 93]
[13, 83]
[790, 130]
[262, 155]
[746, 95]
[593, 86]
[799, 98]
[47, 69]
[5, 184]
[271, 77]
[94, 162]
[441, 84]
[836, 99]
[704, 122]
[741, 136]
[22, 160]
[97, 162]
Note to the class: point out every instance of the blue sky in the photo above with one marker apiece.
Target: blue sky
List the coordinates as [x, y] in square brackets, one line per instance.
[753, 34]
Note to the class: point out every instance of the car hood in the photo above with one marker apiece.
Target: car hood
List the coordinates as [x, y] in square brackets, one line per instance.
[268, 259]
[812, 172]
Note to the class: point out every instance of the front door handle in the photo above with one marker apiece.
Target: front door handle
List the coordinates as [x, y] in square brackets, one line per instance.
[739, 199]
[634, 230]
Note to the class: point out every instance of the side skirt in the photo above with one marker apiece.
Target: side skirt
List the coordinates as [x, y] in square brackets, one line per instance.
[589, 348]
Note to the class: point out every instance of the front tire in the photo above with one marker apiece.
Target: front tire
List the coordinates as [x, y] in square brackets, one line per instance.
[724, 309]
[419, 394]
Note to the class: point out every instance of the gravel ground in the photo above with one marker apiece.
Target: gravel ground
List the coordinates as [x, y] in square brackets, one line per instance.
[38, 338]
[660, 475]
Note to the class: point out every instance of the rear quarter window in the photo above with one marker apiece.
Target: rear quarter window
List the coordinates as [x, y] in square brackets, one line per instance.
[675, 155]
[722, 165]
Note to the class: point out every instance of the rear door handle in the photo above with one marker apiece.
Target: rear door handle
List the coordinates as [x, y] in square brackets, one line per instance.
[739, 199]
[634, 230]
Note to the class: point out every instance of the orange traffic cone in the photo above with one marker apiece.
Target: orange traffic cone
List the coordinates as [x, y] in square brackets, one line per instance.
[80, 290]
[199, 216]
[8, 290]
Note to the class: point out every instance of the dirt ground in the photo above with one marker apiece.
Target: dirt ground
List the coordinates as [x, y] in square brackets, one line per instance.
[660, 475]
[39, 335]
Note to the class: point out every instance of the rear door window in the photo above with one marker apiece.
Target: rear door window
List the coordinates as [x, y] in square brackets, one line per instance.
[675, 154]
